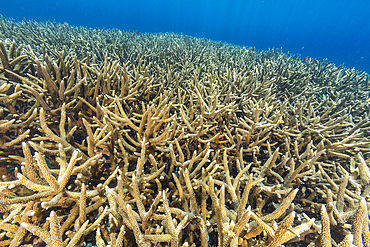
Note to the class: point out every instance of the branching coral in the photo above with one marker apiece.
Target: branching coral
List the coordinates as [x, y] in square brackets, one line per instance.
[127, 139]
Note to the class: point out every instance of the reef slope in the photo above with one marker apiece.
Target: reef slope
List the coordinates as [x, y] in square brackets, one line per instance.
[123, 139]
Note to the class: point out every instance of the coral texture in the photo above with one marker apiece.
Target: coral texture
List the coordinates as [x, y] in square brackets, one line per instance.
[128, 139]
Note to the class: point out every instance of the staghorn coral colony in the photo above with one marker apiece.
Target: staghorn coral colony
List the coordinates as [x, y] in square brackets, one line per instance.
[113, 138]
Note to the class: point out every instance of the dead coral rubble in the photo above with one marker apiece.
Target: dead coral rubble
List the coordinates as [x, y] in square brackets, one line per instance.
[126, 139]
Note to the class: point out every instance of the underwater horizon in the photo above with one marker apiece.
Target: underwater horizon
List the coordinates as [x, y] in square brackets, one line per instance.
[338, 31]
[187, 128]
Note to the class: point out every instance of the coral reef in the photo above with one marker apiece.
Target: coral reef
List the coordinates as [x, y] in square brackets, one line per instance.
[128, 139]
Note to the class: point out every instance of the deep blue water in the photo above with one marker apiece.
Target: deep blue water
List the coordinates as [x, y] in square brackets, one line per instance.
[337, 30]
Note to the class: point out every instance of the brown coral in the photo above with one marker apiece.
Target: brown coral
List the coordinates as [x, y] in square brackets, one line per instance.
[123, 139]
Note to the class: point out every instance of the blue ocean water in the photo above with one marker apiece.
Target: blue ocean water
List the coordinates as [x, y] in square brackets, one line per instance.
[336, 30]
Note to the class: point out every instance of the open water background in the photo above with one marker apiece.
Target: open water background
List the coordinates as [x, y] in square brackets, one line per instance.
[335, 30]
